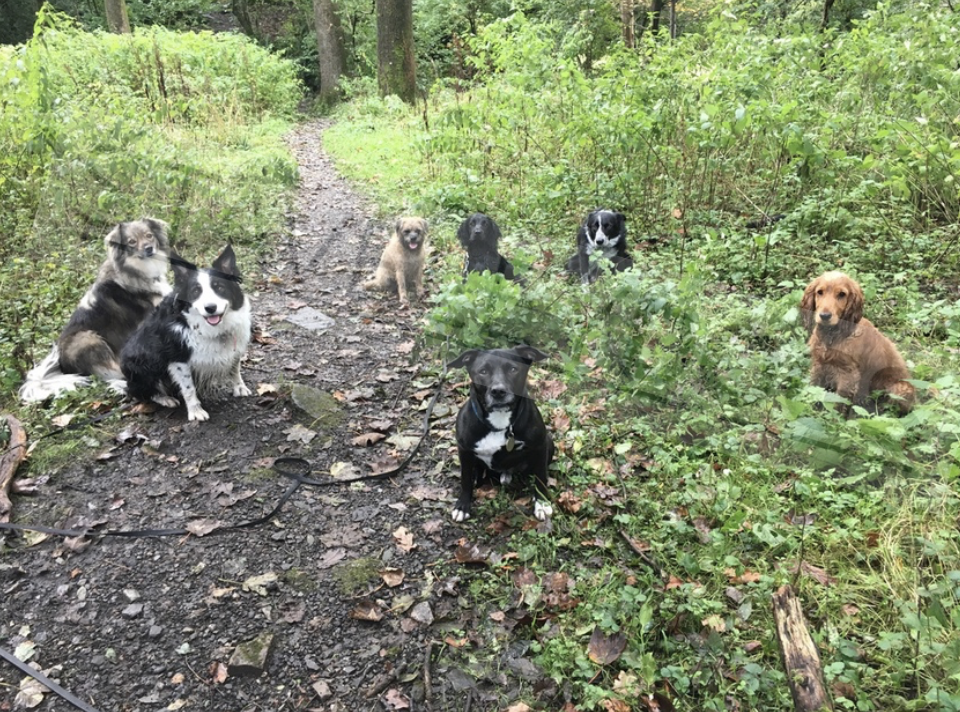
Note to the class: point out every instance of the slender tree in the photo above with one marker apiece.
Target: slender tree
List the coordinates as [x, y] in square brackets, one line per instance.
[330, 50]
[396, 63]
[626, 19]
[117, 20]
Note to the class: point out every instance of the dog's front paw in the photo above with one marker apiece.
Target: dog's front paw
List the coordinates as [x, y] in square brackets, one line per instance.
[166, 401]
[197, 413]
[542, 509]
[241, 390]
[459, 515]
[505, 478]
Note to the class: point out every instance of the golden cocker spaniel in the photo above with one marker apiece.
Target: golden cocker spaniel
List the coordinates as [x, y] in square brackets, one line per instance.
[848, 354]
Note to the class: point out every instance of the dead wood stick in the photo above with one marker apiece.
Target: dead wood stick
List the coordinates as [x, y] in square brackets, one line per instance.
[12, 456]
[801, 660]
[644, 556]
[427, 677]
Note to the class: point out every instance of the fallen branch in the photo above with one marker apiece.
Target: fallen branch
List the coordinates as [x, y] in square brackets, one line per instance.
[799, 653]
[12, 456]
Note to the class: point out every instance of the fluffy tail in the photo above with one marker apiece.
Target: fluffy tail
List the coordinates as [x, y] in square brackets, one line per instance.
[46, 379]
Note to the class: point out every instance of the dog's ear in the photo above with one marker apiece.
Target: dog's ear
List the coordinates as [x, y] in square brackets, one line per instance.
[226, 262]
[181, 268]
[808, 305]
[530, 353]
[495, 229]
[159, 229]
[464, 359]
[398, 226]
[114, 239]
[853, 304]
[463, 232]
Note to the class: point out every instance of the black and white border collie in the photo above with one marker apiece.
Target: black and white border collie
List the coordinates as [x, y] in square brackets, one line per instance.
[194, 341]
[603, 234]
[131, 282]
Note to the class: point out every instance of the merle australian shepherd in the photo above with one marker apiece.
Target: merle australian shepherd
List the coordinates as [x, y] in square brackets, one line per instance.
[193, 342]
[131, 282]
[602, 235]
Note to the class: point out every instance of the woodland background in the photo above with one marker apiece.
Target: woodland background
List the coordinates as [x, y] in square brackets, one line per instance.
[679, 388]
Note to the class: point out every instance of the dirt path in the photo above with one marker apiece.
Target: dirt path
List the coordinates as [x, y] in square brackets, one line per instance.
[151, 623]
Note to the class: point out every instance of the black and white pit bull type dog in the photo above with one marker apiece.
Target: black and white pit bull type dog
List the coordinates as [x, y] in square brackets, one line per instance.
[499, 428]
[602, 235]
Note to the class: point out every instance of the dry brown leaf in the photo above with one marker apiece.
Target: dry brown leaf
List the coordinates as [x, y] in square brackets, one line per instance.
[604, 649]
[404, 539]
[367, 610]
[202, 527]
[368, 439]
[569, 502]
[331, 557]
[396, 700]
[405, 347]
[392, 577]
[471, 554]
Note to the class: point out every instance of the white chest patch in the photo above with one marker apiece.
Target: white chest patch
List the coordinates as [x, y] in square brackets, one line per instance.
[496, 440]
[217, 350]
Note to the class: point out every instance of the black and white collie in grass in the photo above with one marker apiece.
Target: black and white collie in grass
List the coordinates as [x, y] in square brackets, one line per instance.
[193, 343]
[131, 282]
[603, 236]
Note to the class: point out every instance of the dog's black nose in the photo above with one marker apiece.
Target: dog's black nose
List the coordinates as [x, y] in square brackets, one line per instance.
[210, 308]
[498, 393]
[825, 316]
[148, 251]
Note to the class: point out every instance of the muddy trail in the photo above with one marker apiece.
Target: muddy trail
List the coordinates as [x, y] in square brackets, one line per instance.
[353, 597]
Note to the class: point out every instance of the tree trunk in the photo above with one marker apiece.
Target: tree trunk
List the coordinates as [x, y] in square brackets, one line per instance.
[801, 661]
[16, 20]
[652, 16]
[396, 63]
[626, 20]
[117, 20]
[241, 11]
[329, 48]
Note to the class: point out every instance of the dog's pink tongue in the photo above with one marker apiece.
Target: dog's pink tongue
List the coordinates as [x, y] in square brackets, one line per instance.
[214, 320]
[414, 245]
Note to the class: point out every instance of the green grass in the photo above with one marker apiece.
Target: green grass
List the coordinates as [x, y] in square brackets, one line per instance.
[677, 393]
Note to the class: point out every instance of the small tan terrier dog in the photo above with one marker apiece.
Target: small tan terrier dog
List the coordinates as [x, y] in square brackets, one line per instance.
[401, 264]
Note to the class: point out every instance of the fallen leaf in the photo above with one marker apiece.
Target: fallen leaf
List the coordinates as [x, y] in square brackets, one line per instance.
[519, 707]
[569, 502]
[202, 527]
[405, 347]
[331, 557]
[218, 671]
[604, 649]
[367, 610]
[745, 577]
[343, 471]
[368, 439]
[616, 706]
[392, 577]
[25, 650]
[396, 700]
[715, 622]
[62, 421]
[30, 694]
[404, 539]
[403, 442]
[265, 388]
[260, 584]
[298, 433]
[471, 554]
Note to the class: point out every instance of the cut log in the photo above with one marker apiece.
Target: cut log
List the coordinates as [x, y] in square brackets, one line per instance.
[801, 660]
[13, 454]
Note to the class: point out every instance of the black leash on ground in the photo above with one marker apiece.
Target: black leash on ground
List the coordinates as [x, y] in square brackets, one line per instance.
[296, 469]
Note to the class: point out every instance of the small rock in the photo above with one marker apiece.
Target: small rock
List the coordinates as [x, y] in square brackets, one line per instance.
[421, 613]
[131, 594]
[134, 610]
[155, 631]
[322, 688]
[249, 659]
